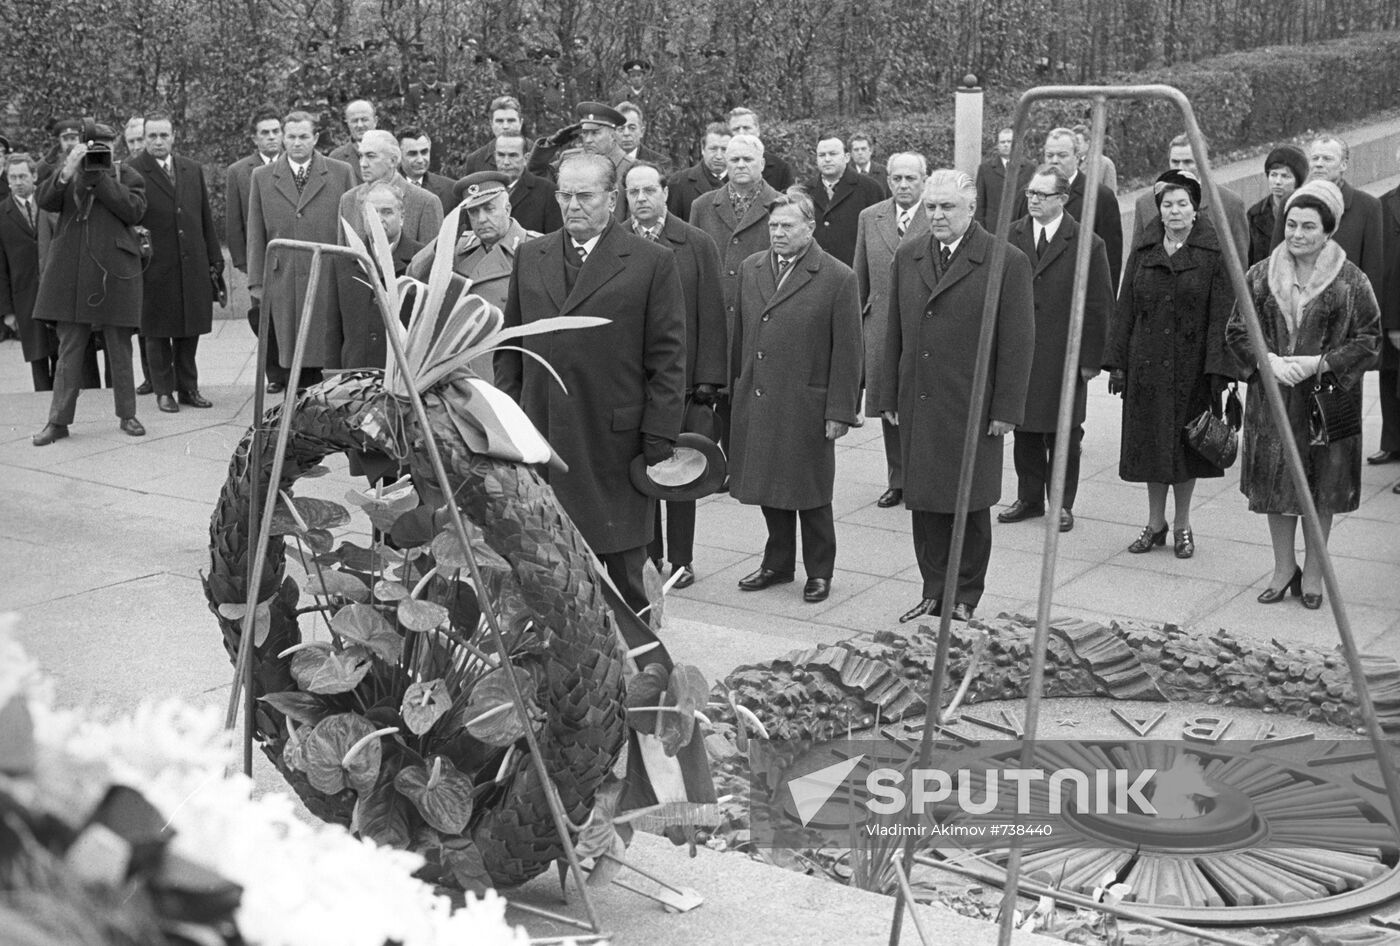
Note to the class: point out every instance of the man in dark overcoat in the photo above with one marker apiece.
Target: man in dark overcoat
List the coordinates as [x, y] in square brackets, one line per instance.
[1389, 298]
[416, 154]
[1062, 151]
[296, 197]
[91, 281]
[1049, 238]
[697, 262]
[882, 228]
[839, 195]
[937, 289]
[178, 302]
[532, 200]
[20, 219]
[266, 132]
[991, 179]
[701, 177]
[735, 216]
[625, 380]
[797, 366]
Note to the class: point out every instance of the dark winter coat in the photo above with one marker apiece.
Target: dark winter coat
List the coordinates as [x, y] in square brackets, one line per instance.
[930, 356]
[532, 203]
[1108, 222]
[1168, 337]
[19, 279]
[623, 380]
[238, 182]
[179, 296]
[876, 240]
[991, 179]
[1054, 286]
[838, 217]
[706, 336]
[798, 364]
[686, 185]
[355, 329]
[92, 274]
[1342, 323]
[283, 277]
[1145, 210]
[1261, 230]
[1388, 292]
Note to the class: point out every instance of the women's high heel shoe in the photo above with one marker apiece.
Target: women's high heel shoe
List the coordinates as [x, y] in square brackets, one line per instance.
[1310, 601]
[1275, 595]
[1185, 543]
[1148, 540]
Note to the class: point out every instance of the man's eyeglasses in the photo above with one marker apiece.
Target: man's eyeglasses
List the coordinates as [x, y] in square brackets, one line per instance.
[1042, 195]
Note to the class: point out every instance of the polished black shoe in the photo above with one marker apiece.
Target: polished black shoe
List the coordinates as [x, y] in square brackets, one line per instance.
[816, 589]
[1312, 602]
[1148, 540]
[49, 434]
[1395, 488]
[928, 606]
[1183, 543]
[1020, 510]
[1275, 595]
[167, 404]
[763, 578]
[131, 427]
[890, 497]
[145, 388]
[682, 576]
[1066, 520]
[275, 387]
[195, 399]
[1383, 456]
[962, 611]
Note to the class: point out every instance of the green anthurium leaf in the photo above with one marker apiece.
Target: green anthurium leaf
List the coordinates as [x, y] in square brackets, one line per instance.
[490, 714]
[262, 617]
[382, 816]
[463, 608]
[448, 551]
[319, 540]
[326, 748]
[463, 858]
[316, 472]
[652, 583]
[414, 528]
[418, 615]
[647, 688]
[334, 583]
[424, 703]
[384, 507]
[442, 795]
[356, 557]
[599, 833]
[321, 668]
[363, 624]
[686, 690]
[315, 513]
[305, 708]
[385, 590]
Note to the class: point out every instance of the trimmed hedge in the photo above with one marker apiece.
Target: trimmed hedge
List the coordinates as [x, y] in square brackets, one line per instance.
[1242, 100]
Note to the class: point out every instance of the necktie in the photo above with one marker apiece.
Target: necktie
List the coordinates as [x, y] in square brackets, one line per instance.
[300, 177]
[830, 190]
[170, 170]
[581, 252]
[903, 225]
[944, 255]
[784, 267]
[29, 212]
[1041, 244]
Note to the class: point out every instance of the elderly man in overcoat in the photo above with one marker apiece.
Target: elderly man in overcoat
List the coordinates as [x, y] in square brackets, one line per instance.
[736, 217]
[178, 302]
[797, 365]
[296, 197]
[839, 195]
[937, 289]
[91, 281]
[882, 228]
[624, 382]
[697, 262]
[1049, 238]
[380, 157]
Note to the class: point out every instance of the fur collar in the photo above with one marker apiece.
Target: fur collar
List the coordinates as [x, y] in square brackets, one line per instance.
[1283, 276]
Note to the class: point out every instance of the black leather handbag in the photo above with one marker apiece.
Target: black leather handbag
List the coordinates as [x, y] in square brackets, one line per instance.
[1215, 437]
[1333, 413]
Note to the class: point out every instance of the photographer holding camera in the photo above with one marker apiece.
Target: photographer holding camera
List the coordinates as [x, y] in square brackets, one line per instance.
[92, 279]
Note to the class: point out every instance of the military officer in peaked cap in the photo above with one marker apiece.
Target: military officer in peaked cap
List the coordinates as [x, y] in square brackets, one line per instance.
[594, 131]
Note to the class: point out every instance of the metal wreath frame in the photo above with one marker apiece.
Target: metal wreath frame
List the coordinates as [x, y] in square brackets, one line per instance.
[260, 525]
[1099, 96]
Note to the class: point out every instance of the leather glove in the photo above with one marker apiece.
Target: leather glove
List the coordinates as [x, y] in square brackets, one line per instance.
[563, 136]
[657, 449]
[1117, 381]
[704, 394]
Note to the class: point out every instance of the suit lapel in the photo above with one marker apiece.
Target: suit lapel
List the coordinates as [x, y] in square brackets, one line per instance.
[969, 252]
[150, 168]
[282, 177]
[726, 210]
[315, 181]
[602, 265]
[1022, 236]
[887, 225]
[13, 209]
[924, 258]
[800, 276]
